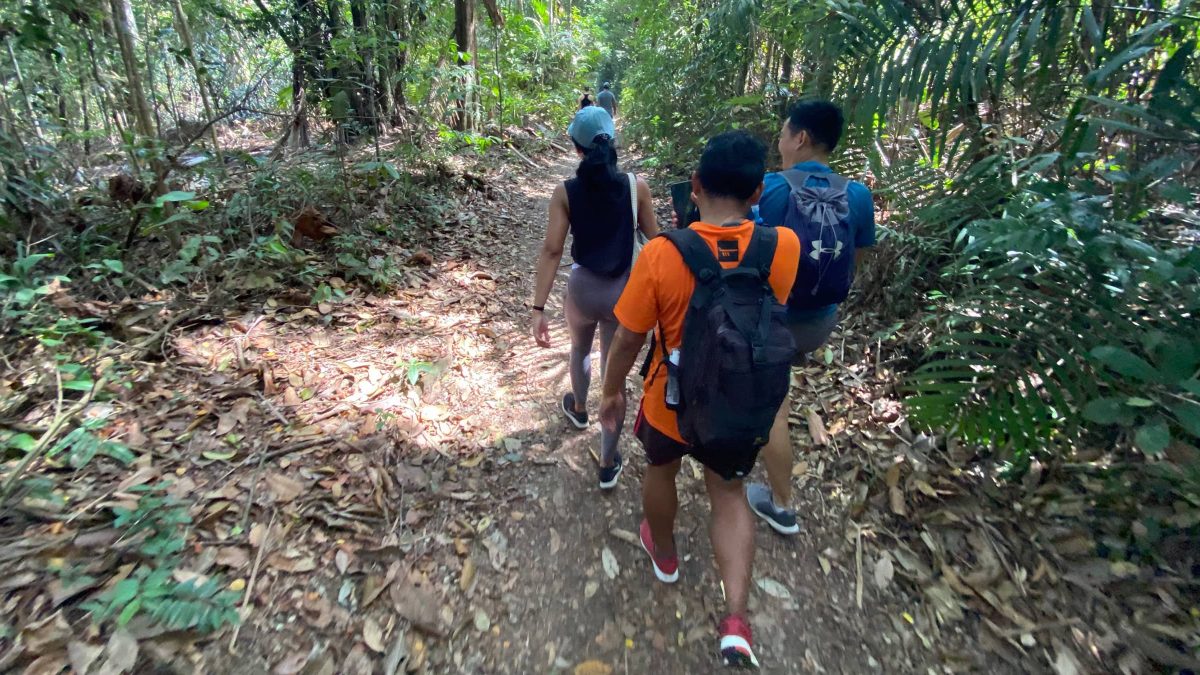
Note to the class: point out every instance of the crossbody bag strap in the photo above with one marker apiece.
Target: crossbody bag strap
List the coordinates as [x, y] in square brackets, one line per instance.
[633, 198]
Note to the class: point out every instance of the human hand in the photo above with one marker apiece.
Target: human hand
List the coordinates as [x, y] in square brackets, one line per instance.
[674, 219]
[612, 412]
[539, 328]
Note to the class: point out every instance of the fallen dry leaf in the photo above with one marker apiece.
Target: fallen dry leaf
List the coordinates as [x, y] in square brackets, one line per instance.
[49, 634]
[82, 655]
[373, 636]
[593, 667]
[293, 663]
[816, 428]
[609, 561]
[120, 653]
[284, 489]
[884, 571]
[46, 664]
[233, 557]
[774, 589]
[419, 605]
[292, 565]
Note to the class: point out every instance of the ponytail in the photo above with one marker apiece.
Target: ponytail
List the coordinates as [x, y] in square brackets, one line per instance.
[599, 166]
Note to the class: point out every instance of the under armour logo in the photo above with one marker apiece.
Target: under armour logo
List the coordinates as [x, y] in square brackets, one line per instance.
[819, 249]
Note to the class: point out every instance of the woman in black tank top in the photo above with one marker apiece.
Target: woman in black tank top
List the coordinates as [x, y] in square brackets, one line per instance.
[601, 207]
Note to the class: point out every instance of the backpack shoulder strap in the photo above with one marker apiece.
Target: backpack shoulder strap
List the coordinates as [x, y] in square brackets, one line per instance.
[696, 255]
[633, 198]
[795, 178]
[836, 181]
[760, 252]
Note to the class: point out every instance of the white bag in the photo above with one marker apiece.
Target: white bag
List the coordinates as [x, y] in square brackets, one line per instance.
[639, 239]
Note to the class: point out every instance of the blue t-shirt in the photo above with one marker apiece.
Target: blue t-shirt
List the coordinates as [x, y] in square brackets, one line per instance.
[772, 207]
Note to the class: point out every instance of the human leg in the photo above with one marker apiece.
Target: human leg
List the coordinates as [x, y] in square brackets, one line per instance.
[778, 455]
[582, 330]
[608, 441]
[732, 532]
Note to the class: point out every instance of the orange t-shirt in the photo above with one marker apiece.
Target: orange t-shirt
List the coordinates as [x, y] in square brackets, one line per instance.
[660, 288]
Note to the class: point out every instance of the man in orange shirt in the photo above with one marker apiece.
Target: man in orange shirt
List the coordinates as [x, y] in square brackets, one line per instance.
[660, 287]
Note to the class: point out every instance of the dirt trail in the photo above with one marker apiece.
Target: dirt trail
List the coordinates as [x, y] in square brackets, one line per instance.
[476, 545]
[556, 607]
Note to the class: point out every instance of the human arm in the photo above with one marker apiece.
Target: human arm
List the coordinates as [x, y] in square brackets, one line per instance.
[862, 214]
[647, 221]
[547, 265]
[621, 357]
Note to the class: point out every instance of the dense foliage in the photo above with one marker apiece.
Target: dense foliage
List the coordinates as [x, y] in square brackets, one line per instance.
[1034, 162]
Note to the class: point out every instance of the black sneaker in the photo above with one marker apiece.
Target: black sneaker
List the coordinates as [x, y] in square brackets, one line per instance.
[782, 521]
[609, 475]
[579, 419]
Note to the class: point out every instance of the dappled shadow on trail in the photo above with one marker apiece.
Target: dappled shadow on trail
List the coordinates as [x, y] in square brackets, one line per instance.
[448, 518]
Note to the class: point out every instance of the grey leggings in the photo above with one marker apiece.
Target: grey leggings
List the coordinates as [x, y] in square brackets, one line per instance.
[590, 302]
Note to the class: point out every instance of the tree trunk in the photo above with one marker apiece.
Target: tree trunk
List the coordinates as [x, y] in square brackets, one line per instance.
[126, 30]
[189, 50]
[464, 38]
[365, 100]
[33, 119]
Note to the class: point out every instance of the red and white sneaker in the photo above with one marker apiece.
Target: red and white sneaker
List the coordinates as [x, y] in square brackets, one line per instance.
[736, 642]
[666, 568]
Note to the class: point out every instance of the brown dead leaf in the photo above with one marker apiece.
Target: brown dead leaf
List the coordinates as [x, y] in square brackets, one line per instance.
[140, 477]
[120, 653]
[468, 574]
[593, 667]
[896, 500]
[292, 664]
[816, 428]
[293, 565]
[342, 560]
[892, 478]
[357, 662]
[47, 664]
[49, 634]
[233, 557]
[419, 605]
[82, 655]
[283, 488]
[373, 636]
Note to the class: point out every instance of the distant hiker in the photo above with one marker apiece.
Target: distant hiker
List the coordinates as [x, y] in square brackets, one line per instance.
[835, 218]
[585, 100]
[602, 208]
[607, 100]
[720, 367]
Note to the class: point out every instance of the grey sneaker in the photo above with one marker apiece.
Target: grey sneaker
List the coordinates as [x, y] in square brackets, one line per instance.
[782, 521]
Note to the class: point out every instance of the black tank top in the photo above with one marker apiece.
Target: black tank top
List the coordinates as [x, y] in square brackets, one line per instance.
[601, 227]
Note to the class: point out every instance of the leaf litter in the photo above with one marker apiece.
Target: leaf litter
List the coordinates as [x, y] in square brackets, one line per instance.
[381, 464]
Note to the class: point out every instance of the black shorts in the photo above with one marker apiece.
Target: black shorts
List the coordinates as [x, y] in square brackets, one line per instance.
[660, 448]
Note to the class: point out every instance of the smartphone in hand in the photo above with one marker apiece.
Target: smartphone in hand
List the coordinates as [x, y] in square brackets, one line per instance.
[686, 212]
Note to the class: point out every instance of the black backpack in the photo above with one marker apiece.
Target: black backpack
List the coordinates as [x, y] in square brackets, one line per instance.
[736, 355]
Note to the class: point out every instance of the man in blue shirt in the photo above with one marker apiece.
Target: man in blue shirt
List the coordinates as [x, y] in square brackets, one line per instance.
[809, 135]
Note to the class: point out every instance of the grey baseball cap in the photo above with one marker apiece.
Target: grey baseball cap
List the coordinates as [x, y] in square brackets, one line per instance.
[589, 123]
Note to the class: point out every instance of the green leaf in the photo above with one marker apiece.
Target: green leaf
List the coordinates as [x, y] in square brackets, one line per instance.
[1110, 410]
[22, 442]
[1137, 402]
[174, 196]
[123, 592]
[78, 385]
[129, 612]
[115, 265]
[1152, 438]
[1126, 363]
[1187, 414]
[219, 456]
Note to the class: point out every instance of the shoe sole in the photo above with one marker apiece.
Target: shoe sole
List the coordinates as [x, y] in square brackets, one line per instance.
[662, 576]
[613, 483]
[571, 417]
[736, 652]
[781, 529]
